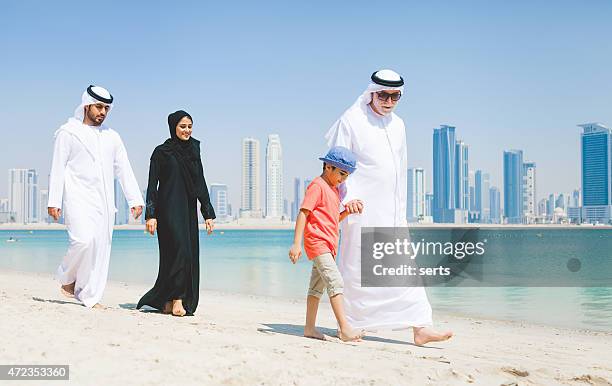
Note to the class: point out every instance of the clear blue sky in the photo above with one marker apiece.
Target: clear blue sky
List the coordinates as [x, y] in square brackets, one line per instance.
[516, 74]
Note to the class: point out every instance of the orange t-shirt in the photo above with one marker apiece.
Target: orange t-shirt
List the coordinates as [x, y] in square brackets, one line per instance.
[321, 232]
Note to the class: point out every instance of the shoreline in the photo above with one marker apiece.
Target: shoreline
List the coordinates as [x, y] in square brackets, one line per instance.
[291, 226]
[250, 339]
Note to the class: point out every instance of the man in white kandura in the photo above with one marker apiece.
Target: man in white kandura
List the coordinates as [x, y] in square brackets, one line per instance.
[87, 158]
[377, 136]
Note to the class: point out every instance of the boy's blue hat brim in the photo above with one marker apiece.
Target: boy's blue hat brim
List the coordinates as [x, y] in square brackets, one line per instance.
[340, 165]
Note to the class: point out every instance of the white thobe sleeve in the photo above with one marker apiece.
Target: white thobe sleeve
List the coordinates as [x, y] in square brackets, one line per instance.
[125, 175]
[61, 152]
[341, 134]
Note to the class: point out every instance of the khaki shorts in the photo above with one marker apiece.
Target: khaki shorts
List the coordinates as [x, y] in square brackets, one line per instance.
[325, 275]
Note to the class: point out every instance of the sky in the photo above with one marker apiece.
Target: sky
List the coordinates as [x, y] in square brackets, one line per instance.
[508, 75]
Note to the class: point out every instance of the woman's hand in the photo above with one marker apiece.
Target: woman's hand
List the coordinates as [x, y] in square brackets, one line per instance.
[210, 225]
[151, 225]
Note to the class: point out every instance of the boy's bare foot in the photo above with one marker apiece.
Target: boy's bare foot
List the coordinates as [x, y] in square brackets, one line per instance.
[99, 306]
[167, 308]
[68, 290]
[424, 335]
[313, 333]
[350, 335]
[177, 308]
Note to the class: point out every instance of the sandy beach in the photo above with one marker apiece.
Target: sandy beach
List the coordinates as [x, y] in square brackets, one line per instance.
[244, 340]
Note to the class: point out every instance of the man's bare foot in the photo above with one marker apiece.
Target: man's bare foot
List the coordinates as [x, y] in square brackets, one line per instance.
[313, 333]
[350, 335]
[424, 335]
[68, 290]
[99, 306]
[177, 308]
[167, 308]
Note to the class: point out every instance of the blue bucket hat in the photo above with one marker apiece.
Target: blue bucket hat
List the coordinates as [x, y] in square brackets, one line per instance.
[340, 157]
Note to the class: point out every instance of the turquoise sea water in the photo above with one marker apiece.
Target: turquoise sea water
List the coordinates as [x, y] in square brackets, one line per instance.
[256, 262]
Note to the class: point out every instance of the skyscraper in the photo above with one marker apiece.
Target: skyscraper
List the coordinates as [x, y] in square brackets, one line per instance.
[24, 199]
[250, 203]
[219, 201]
[462, 177]
[596, 168]
[122, 216]
[42, 202]
[495, 203]
[530, 207]
[297, 198]
[429, 199]
[450, 177]
[513, 186]
[274, 177]
[482, 197]
[415, 207]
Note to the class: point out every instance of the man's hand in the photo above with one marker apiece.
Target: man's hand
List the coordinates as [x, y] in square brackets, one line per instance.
[210, 225]
[295, 252]
[136, 212]
[151, 225]
[56, 213]
[354, 206]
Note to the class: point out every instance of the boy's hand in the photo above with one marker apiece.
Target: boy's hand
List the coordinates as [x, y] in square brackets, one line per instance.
[295, 252]
[354, 206]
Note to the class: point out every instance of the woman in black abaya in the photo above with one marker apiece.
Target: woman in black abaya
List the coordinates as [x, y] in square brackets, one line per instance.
[172, 211]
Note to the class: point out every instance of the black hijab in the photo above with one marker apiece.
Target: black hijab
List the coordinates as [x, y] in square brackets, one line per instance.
[187, 153]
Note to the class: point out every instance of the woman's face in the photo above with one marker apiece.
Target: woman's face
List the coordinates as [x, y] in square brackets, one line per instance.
[183, 129]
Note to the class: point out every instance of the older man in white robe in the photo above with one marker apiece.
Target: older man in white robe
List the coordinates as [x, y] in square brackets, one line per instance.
[377, 136]
[87, 158]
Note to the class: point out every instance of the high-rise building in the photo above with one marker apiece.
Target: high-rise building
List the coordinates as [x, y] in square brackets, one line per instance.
[219, 201]
[596, 168]
[298, 194]
[462, 177]
[481, 199]
[43, 202]
[4, 213]
[551, 205]
[122, 216]
[250, 203]
[449, 168]
[495, 205]
[274, 177]
[415, 207]
[429, 199]
[24, 198]
[513, 186]
[542, 209]
[575, 198]
[530, 207]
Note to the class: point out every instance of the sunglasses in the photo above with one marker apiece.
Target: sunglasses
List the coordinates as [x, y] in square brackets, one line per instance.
[384, 96]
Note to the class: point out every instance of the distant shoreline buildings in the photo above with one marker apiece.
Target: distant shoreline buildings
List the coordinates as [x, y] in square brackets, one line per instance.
[460, 194]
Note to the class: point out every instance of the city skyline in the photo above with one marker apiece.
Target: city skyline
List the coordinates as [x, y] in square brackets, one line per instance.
[522, 75]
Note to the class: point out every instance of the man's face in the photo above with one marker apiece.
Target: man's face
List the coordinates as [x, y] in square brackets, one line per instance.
[384, 102]
[96, 114]
[184, 128]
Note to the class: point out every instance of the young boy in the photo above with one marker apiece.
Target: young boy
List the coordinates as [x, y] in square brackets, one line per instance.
[318, 222]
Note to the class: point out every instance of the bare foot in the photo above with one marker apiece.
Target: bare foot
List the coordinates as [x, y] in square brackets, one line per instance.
[177, 308]
[167, 308]
[68, 290]
[350, 335]
[424, 335]
[99, 306]
[313, 333]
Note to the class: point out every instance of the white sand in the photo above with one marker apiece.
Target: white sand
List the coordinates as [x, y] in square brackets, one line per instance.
[247, 340]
